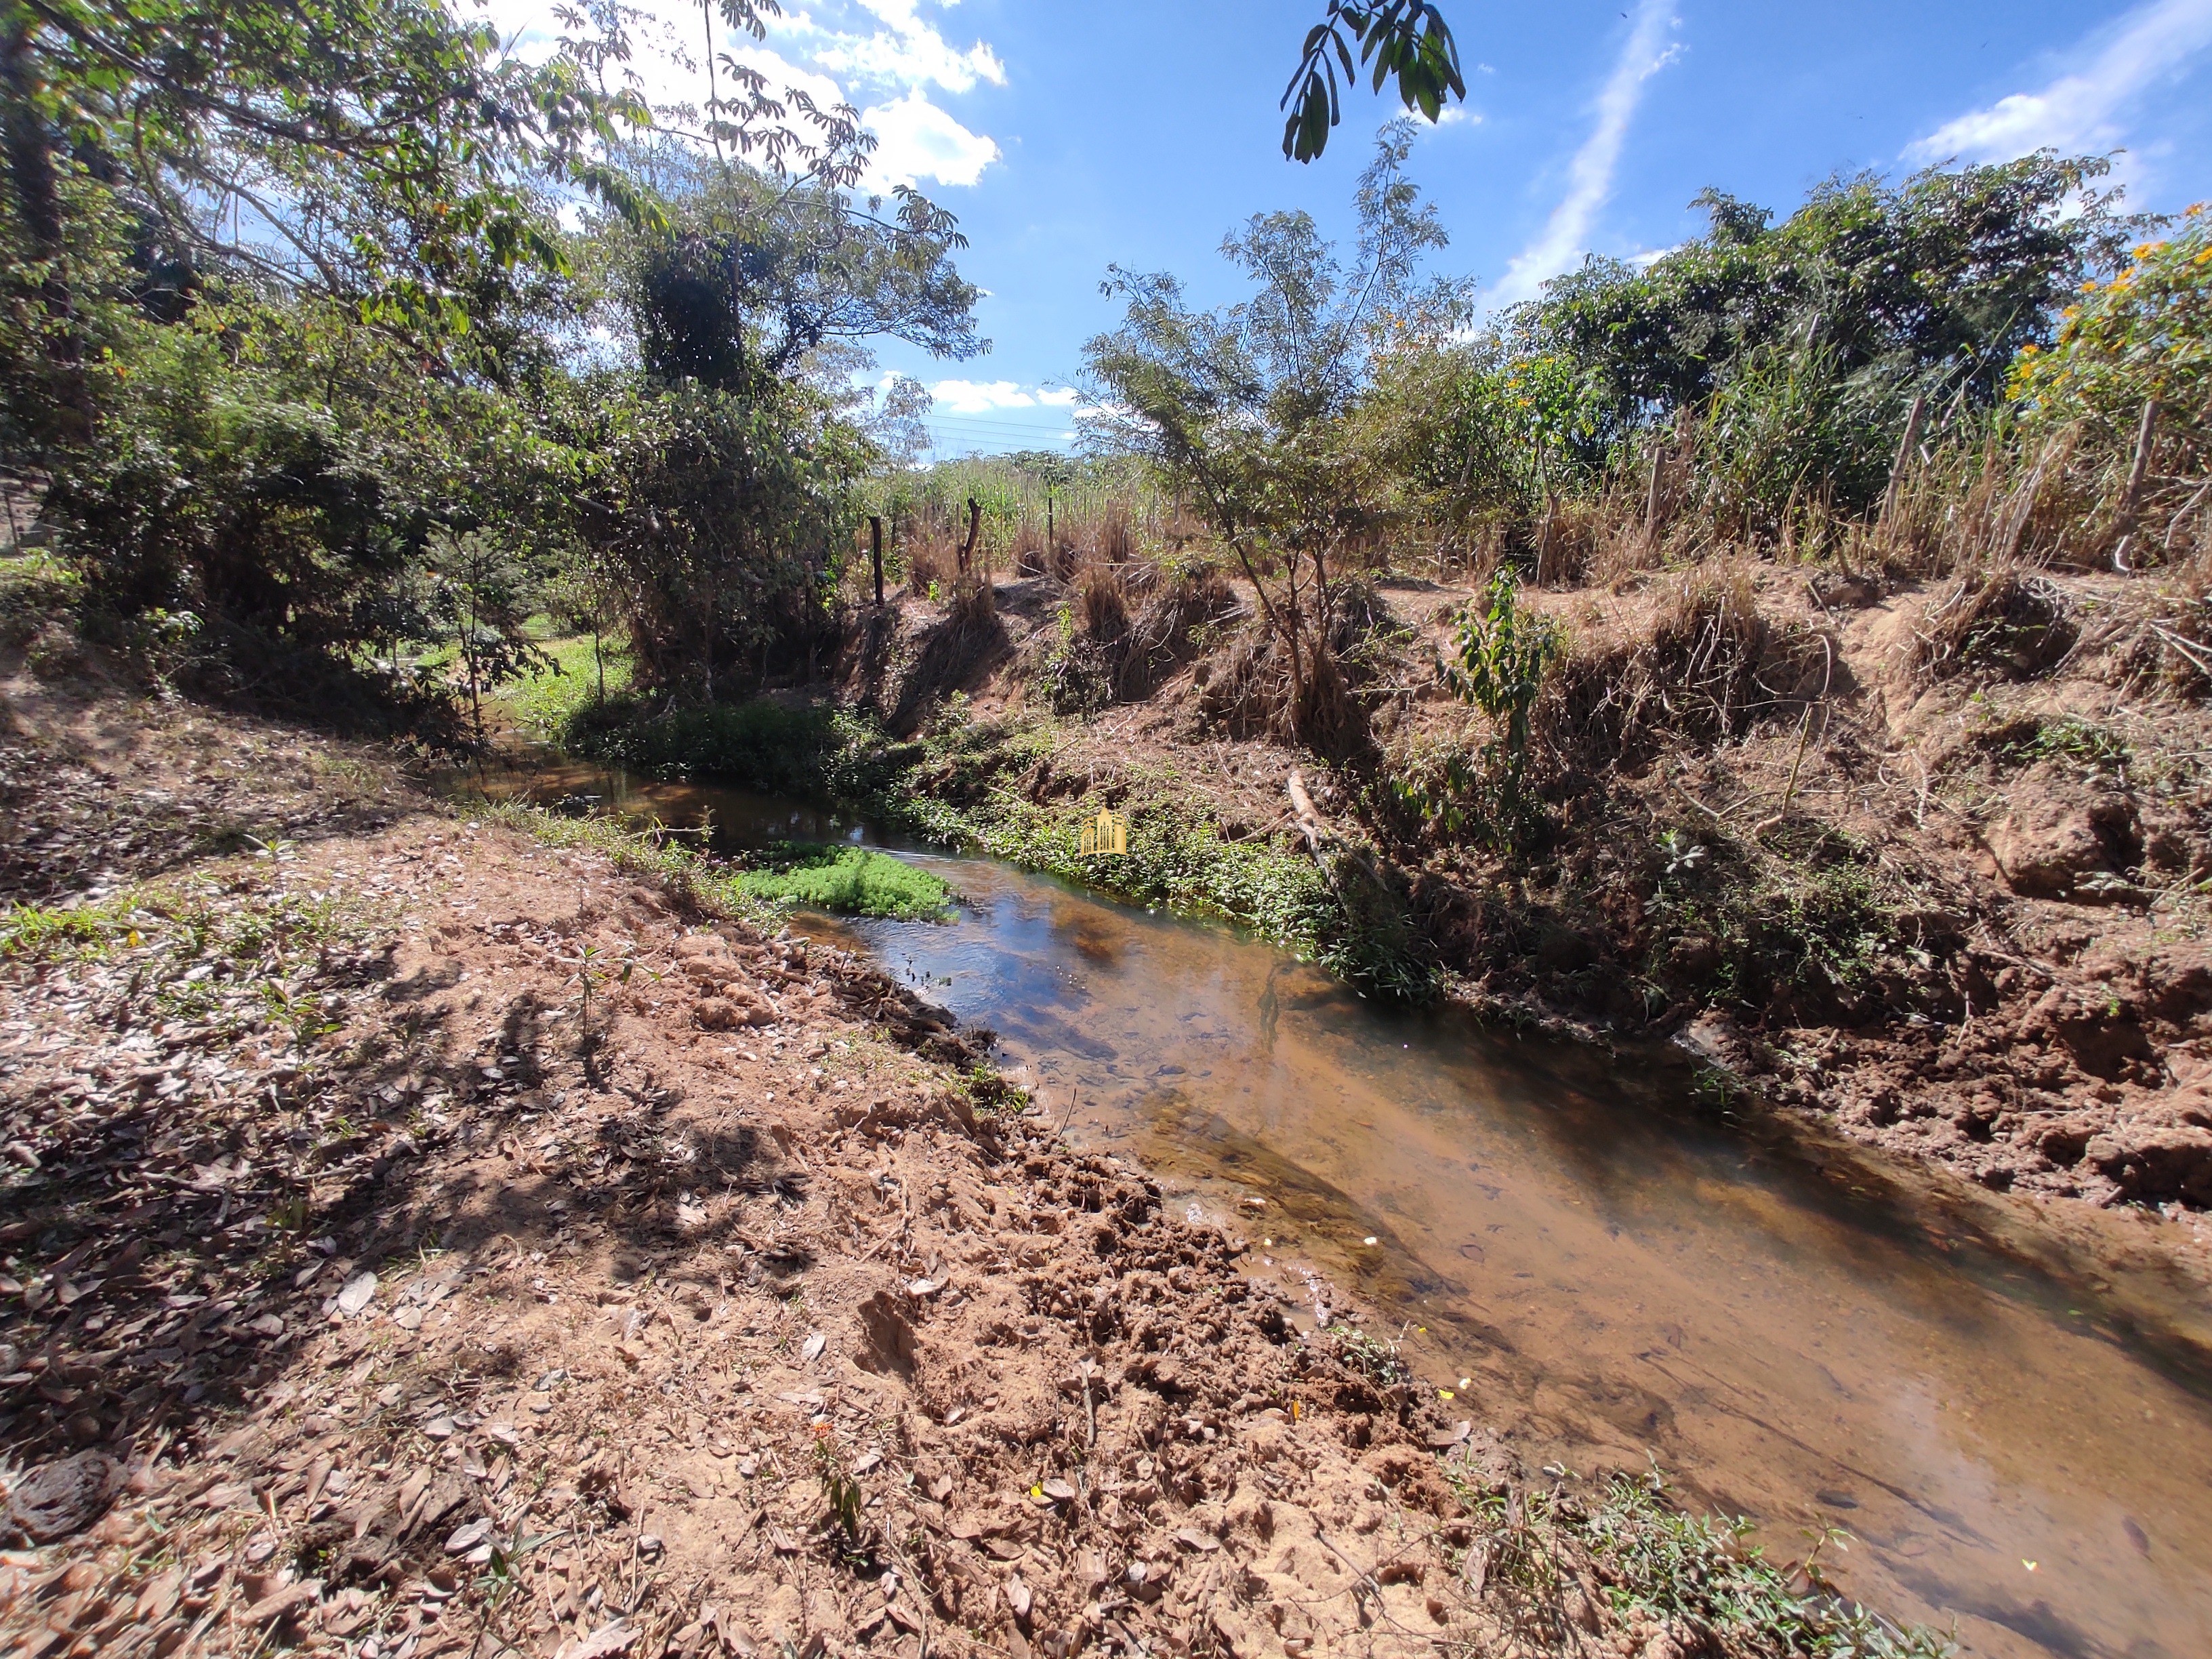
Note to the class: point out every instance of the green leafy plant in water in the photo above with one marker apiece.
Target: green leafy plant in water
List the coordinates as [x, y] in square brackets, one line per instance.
[1505, 652]
[855, 881]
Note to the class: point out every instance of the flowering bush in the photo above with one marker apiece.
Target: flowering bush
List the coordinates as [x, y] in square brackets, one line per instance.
[2147, 333]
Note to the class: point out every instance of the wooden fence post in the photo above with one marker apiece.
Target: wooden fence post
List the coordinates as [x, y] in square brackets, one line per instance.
[876, 554]
[2146, 432]
[1905, 447]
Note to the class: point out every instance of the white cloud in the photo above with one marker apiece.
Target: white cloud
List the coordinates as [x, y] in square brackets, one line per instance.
[2077, 111]
[915, 140]
[1453, 115]
[982, 396]
[1589, 178]
[1061, 397]
[907, 53]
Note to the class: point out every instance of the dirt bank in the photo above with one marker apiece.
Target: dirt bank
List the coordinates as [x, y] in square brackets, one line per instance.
[1925, 859]
[426, 1236]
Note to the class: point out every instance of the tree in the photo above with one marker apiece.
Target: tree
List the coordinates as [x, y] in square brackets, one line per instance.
[743, 277]
[476, 599]
[1243, 405]
[1408, 39]
[378, 151]
[1947, 275]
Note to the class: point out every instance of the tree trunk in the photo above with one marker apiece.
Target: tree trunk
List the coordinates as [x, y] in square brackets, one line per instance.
[30, 163]
[876, 555]
[24, 137]
[975, 523]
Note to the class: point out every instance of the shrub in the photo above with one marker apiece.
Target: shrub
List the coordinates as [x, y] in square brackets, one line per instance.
[1505, 652]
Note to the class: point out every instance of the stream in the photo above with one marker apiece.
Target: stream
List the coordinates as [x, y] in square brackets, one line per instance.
[2013, 1424]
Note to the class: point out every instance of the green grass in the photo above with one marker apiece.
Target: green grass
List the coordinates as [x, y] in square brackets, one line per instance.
[1669, 1566]
[36, 931]
[1668, 1562]
[544, 704]
[848, 881]
[708, 883]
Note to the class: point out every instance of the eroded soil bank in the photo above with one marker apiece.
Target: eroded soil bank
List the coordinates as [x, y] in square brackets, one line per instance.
[1926, 859]
[425, 1236]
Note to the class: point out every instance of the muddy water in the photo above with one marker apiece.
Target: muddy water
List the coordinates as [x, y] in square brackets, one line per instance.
[2018, 1439]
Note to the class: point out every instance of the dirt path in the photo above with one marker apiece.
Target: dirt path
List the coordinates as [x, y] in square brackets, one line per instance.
[421, 1239]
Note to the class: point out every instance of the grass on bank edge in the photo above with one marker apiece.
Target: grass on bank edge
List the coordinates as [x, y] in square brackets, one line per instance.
[1676, 1567]
[714, 889]
[843, 880]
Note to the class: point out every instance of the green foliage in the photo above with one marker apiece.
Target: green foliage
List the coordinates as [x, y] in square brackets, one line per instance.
[849, 881]
[1806, 920]
[1784, 358]
[2094, 749]
[1935, 282]
[1373, 1358]
[1406, 39]
[34, 932]
[2147, 333]
[812, 751]
[1505, 652]
[287, 322]
[1670, 1565]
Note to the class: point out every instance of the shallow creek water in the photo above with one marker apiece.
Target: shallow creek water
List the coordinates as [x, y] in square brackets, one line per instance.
[2015, 1432]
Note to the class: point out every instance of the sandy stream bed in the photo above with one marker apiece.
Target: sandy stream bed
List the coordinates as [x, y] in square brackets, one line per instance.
[383, 1313]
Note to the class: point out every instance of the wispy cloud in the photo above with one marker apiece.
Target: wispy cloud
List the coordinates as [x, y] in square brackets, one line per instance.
[2078, 111]
[1589, 178]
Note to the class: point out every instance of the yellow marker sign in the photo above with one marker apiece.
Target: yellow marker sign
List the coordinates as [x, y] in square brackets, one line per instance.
[1107, 833]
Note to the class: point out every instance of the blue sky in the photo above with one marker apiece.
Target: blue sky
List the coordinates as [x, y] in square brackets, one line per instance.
[1069, 136]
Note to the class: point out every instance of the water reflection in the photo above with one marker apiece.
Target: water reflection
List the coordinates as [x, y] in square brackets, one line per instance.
[1796, 1333]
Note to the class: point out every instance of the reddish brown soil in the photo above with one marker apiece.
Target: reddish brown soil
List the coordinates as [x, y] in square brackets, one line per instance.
[721, 1310]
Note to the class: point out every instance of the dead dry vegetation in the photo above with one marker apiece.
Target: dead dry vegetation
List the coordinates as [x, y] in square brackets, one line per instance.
[427, 1235]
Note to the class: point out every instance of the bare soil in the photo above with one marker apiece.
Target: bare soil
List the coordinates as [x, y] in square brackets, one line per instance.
[421, 1239]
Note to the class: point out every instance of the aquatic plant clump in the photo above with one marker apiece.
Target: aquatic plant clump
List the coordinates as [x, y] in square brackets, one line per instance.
[848, 881]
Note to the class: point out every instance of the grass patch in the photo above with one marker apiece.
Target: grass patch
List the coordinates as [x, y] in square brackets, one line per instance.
[37, 932]
[545, 704]
[2076, 744]
[847, 881]
[1684, 1570]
